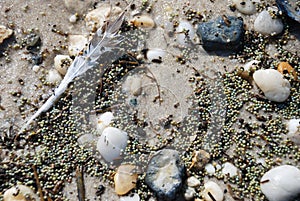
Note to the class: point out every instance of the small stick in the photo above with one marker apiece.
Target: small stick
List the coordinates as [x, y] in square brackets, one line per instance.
[38, 184]
[80, 183]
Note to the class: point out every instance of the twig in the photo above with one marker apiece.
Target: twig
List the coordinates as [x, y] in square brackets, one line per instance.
[80, 183]
[38, 184]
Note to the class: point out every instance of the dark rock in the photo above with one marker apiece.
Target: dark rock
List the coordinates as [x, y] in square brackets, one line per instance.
[224, 33]
[290, 7]
[165, 173]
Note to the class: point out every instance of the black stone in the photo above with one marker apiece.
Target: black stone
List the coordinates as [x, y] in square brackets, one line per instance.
[224, 33]
[290, 7]
[165, 174]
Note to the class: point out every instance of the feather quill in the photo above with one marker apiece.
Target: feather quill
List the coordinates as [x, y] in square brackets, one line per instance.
[89, 59]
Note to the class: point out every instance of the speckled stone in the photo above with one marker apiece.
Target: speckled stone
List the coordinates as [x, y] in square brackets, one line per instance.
[222, 34]
[290, 8]
[165, 173]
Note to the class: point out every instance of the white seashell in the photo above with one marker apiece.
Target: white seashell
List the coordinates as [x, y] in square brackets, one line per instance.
[245, 6]
[97, 17]
[265, 24]
[53, 77]
[156, 55]
[104, 121]
[193, 181]
[281, 183]
[20, 193]
[293, 126]
[111, 143]
[273, 84]
[189, 193]
[143, 21]
[212, 189]
[132, 197]
[210, 169]
[185, 33]
[229, 169]
[62, 63]
[35, 68]
[251, 65]
[76, 44]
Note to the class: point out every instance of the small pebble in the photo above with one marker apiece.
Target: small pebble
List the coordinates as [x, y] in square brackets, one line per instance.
[193, 182]
[245, 6]
[76, 44]
[112, 143]
[131, 197]
[265, 24]
[185, 33]
[293, 126]
[35, 68]
[125, 179]
[281, 183]
[73, 18]
[53, 77]
[229, 169]
[62, 63]
[273, 84]
[4, 33]
[143, 21]
[212, 192]
[210, 169]
[104, 121]
[189, 193]
[20, 193]
[156, 55]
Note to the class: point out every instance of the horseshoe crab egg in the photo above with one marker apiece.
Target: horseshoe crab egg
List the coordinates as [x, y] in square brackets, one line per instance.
[20, 193]
[212, 192]
[104, 121]
[273, 84]
[185, 33]
[111, 143]
[281, 183]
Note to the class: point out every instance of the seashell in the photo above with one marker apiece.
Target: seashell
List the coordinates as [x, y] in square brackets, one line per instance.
[125, 179]
[4, 33]
[245, 6]
[53, 77]
[293, 126]
[193, 182]
[111, 143]
[155, 55]
[210, 169]
[104, 121]
[212, 192]
[20, 193]
[285, 67]
[76, 44]
[273, 84]
[62, 63]
[185, 33]
[229, 169]
[281, 183]
[132, 197]
[143, 21]
[97, 17]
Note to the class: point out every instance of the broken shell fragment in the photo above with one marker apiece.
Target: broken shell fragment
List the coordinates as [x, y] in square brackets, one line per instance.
[281, 183]
[212, 192]
[125, 179]
[155, 55]
[20, 193]
[76, 44]
[53, 77]
[143, 21]
[185, 33]
[111, 143]
[4, 33]
[104, 121]
[62, 63]
[285, 67]
[273, 84]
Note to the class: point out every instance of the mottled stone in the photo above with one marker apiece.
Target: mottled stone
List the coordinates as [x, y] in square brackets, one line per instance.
[224, 33]
[290, 8]
[165, 173]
